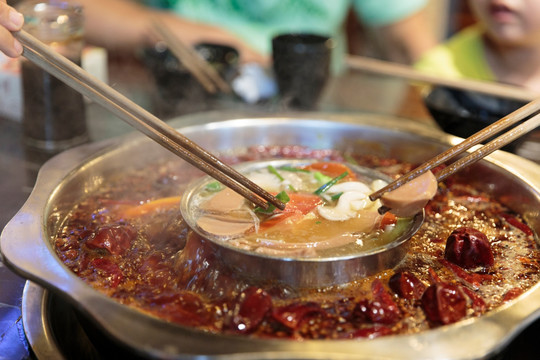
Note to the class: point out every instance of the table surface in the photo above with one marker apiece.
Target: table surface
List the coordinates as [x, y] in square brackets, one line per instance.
[351, 92]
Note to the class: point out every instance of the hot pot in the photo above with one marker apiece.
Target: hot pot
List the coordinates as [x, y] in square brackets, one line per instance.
[26, 248]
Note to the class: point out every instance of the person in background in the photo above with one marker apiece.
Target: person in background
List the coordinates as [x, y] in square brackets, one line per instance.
[399, 26]
[503, 46]
[10, 20]
[249, 25]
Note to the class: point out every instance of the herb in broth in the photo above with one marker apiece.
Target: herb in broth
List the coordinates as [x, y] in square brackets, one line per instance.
[282, 196]
[329, 184]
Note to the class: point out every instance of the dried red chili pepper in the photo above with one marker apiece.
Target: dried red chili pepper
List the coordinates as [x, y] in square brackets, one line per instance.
[478, 304]
[444, 303]
[251, 307]
[512, 294]
[183, 307]
[116, 239]
[406, 285]
[512, 220]
[468, 248]
[472, 278]
[292, 315]
[382, 309]
[107, 270]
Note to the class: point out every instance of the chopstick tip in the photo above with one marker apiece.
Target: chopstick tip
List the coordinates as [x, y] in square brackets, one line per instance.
[383, 210]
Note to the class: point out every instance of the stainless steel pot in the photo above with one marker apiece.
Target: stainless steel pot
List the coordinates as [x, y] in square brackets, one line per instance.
[300, 272]
[26, 246]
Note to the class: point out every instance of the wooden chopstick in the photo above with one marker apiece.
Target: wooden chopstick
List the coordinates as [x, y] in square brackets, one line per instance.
[529, 113]
[485, 150]
[209, 78]
[80, 80]
[403, 71]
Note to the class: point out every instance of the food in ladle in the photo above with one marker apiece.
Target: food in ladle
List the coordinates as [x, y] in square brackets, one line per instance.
[328, 213]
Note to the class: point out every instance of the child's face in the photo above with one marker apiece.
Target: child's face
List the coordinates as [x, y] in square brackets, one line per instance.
[509, 22]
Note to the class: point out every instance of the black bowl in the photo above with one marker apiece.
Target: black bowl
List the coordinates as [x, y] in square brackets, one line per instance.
[463, 113]
[175, 82]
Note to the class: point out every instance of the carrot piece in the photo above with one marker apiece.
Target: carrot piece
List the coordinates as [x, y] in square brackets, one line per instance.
[302, 202]
[151, 206]
[388, 219]
[332, 169]
[299, 205]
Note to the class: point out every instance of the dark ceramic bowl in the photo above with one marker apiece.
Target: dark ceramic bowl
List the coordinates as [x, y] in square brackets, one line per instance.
[463, 113]
[175, 82]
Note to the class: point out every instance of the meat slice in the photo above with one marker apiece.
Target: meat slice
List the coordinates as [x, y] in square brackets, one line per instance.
[410, 198]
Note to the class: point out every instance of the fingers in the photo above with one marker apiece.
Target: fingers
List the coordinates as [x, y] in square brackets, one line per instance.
[10, 20]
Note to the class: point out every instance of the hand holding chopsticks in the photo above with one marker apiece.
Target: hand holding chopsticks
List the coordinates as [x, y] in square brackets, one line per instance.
[529, 113]
[74, 76]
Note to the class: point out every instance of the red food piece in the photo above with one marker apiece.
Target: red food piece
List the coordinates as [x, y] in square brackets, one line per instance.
[251, 307]
[333, 169]
[433, 276]
[116, 239]
[406, 285]
[382, 309]
[468, 248]
[388, 219]
[107, 270]
[444, 303]
[293, 315]
[298, 206]
[478, 304]
[155, 273]
[512, 294]
[182, 307]
[474, 279]
[512, 220]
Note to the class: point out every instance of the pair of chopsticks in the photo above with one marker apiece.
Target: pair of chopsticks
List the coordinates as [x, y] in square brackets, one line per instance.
[406, 72]
[530, 116]
[205, 74]
[83, 82]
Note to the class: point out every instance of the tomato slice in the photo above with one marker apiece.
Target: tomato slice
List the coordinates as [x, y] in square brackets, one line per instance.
[332, 169]
[299, 205]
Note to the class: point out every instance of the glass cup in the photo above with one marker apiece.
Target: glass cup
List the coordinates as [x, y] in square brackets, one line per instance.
[54, 116]
[301, 67]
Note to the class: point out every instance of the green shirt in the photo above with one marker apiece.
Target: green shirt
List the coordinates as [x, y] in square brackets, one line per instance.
[257, 21]
[462, 56]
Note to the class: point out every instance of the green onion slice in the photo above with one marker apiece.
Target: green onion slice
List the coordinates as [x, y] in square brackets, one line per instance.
[214, 186]
[282, 196]
[323, 179]
[293, 169]
[329, 184]
[273, 170]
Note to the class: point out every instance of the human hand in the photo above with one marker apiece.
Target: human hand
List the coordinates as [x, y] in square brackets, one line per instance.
[193, 33]
[10, 20]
